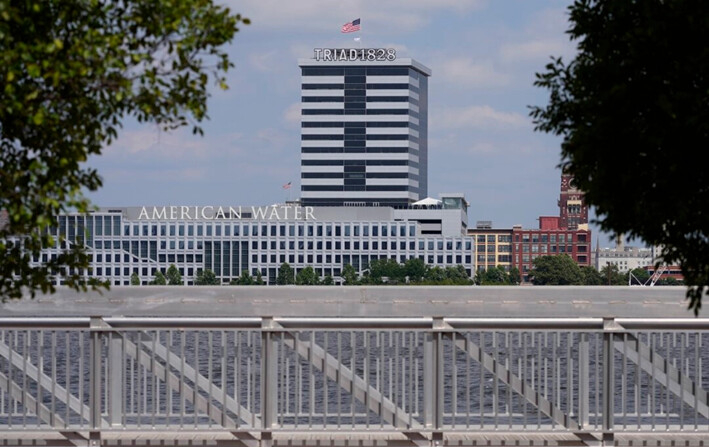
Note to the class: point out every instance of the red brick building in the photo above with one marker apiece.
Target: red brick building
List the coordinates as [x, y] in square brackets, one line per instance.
[567, 233]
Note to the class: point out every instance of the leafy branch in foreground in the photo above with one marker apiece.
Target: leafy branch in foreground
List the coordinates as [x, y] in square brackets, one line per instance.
[72, 72]
[632, 108]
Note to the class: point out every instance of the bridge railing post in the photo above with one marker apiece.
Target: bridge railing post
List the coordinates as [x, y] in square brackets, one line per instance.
[610, 327]
[116, 371]
[97, 328]
[433, 392]
[584, 389]
[269, 380]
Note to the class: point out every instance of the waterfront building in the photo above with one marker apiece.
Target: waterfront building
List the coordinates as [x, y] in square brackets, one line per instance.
[493, 246]
[364, 193]
[548, 240]
[626, 258]
[230, 240]
[629, 258]
[364, 135]
[565, 234]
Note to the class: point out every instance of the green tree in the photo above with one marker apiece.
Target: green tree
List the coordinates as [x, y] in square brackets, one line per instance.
[669, 281]
[206, 278]
[134, 279]
[435, 275]
[555, 270]
[307, 277]
[72, 71]
[174, 278]
[386, 268]
[632, 110]
[457, 275]
[640, 276]
[492, 276]
[158, 279]
[591, 276]
[349, 275]
[415, 269]
[327, 281]
[286, 275]
[244, 280]
[515, 276]
[612, 276]
[259, 280]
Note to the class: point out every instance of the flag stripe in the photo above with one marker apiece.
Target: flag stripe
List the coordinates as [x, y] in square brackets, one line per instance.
[351, 27]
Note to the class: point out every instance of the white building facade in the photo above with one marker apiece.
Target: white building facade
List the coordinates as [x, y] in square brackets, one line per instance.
[230, 240]
[364, 135]
[625, 258]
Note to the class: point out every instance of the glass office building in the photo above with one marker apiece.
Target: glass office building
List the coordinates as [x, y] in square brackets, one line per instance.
[364, 135]
[143, 240]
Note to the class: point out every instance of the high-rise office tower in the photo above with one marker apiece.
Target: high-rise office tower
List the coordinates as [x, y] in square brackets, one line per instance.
[364, 128]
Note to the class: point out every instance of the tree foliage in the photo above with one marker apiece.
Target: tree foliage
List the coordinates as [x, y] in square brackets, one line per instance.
[349, 275]
[327, 281]
[497, 276]
[612, 276]
[555, 270]
[72, 71]
[206, 278]
[173, 276]
[134, 279]
[413, 271]
[669, 281]
[640, 276]
[386, 270]
[515, 276]
[307, 277]
[258, 281]
[591, 276]
[633, 109]
[245, 279]
[286, 275]
[158, 279]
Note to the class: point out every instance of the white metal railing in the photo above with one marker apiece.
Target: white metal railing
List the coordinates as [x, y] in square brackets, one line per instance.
[409, 375]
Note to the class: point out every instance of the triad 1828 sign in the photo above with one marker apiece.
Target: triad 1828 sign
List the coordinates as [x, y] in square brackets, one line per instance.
[355, 54]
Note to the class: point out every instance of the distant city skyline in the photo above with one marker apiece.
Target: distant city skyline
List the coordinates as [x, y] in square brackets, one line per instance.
[483, 56]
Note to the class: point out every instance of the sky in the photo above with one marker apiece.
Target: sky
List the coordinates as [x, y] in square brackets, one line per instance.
[483, 55]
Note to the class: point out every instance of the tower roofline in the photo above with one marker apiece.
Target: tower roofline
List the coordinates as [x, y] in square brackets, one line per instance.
[402, 62]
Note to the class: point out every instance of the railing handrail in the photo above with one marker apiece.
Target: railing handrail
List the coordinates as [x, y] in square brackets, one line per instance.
[359, 301]
[355, 323]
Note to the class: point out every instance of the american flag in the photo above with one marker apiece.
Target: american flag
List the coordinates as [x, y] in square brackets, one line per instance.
[287, 185]
[351, 27]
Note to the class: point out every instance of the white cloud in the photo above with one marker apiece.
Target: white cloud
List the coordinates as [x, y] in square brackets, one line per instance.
[264, 61]
[549, 22]
[176, 144]
[542, 37]
[292, 113]
[533, 50]
[184, 174]
[481, 117]
[464, 72]
[273, 138]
